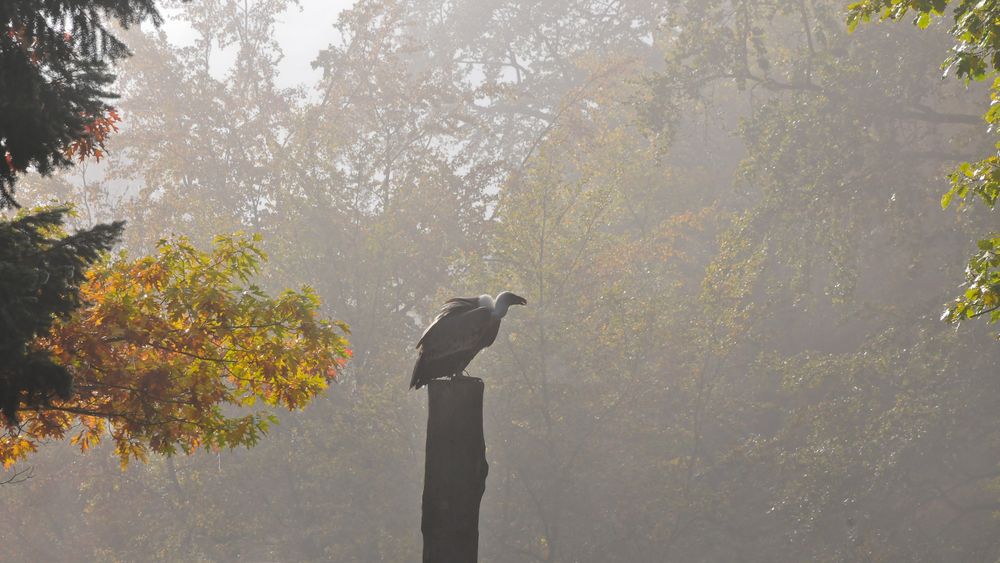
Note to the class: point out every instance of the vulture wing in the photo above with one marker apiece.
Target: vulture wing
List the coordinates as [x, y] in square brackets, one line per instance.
[455, 332]
[454, 306]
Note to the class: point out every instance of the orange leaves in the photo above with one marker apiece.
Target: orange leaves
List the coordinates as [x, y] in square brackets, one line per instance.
[92, 428]
[9, 159]
[169, 352]
[95, 133]
[664, 244]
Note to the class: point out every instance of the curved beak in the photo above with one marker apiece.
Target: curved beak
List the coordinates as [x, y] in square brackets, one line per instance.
[520, 300]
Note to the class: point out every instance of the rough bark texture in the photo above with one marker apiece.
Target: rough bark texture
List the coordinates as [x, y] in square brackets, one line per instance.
[454, 472]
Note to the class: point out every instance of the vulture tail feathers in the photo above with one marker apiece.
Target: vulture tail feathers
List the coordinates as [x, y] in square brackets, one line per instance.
[427, 369]
[418, 379]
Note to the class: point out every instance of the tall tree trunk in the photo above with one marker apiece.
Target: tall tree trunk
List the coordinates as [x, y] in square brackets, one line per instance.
[454, 472]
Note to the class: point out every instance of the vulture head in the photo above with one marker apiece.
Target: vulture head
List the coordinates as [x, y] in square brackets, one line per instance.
[505, 300]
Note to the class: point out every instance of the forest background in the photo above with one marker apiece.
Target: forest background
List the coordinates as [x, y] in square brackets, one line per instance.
[726, 217]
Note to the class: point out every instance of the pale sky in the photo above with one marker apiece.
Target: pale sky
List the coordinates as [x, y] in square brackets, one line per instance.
[302, 33]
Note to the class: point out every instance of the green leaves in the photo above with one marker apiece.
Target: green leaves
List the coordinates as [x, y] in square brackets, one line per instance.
[981, 297]
[976, 56]
[979, 178]
[865, 10]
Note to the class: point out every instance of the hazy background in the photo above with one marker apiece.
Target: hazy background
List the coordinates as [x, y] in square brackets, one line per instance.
[301, 29]
[725, 217]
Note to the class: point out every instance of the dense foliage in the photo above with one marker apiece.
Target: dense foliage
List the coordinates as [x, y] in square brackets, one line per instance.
[168, 349]
[161, 353]
[55, 59]
[41, 268]
[725, 214]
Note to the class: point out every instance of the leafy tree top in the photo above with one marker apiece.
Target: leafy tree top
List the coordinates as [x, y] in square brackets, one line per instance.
[170, 351]
[976, 28]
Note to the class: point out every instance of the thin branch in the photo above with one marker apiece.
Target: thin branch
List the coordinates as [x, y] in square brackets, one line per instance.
[984, 312]
[19, 476]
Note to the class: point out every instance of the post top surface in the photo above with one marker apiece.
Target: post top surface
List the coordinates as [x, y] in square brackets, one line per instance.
[455, 381]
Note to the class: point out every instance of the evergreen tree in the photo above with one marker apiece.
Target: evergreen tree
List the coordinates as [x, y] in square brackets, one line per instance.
[55, 58]
[40, 273]
[54, 78]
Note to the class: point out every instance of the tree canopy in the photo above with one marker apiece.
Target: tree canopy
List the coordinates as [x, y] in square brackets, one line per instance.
[169, 350]
[164, 353]
[726, 215]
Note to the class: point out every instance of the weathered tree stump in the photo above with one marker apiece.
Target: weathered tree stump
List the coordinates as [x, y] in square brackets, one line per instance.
[454, 471]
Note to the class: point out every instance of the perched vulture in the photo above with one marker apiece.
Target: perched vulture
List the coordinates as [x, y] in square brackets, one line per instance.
[463, 327]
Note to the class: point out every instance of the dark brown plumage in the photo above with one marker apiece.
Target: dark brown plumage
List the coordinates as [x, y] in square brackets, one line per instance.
[463, 327]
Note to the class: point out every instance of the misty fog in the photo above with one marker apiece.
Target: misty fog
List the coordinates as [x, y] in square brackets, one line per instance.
[725, 215]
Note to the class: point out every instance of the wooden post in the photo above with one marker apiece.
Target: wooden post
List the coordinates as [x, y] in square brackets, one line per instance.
[454, 471]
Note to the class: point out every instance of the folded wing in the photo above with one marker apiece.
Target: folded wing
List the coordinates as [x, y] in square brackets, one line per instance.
[455, 337]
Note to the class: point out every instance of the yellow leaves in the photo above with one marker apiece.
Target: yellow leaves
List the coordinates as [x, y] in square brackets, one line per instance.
[170, 351]
[14, 449]
[129, 449]
[989, 298]
[90, 435]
